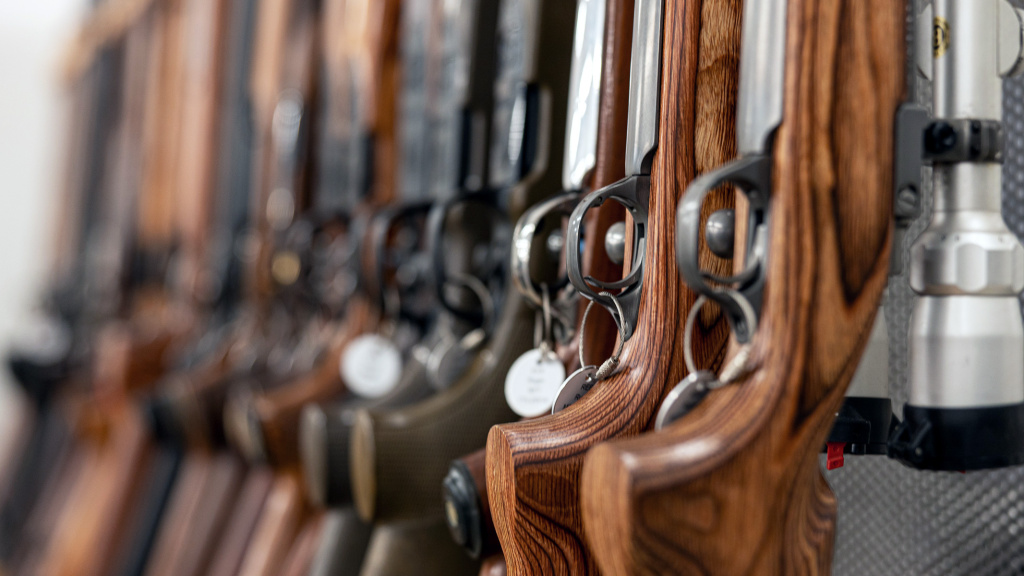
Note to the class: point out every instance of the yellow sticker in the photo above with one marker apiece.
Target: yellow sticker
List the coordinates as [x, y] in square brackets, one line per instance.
[940, 37]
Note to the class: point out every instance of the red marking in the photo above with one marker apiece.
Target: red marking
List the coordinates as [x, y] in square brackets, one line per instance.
[834, 458]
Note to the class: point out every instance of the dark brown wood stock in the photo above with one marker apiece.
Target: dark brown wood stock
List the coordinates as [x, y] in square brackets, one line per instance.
[735, 487]
[85, 538]
[534, 466]
[598, 343]
[204, 61]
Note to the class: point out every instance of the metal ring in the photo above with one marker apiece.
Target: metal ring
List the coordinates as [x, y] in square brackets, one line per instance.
[477, 287]
[523, 238]
[583, 326]
[748, 312]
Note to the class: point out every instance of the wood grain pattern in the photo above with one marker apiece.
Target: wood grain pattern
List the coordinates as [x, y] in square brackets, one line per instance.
[599, 340]
[735, 487]
[609, 168]
[534, 466]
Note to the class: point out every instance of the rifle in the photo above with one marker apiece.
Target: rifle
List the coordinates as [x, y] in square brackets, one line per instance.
[534, 466]
[326, 429]
[117, 452]
[283, 85]
[46, 364]
[597, 115]
[455, 54]
[399, 457]
[743, 466]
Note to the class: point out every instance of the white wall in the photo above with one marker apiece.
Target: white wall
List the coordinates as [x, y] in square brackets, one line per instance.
[33, 36]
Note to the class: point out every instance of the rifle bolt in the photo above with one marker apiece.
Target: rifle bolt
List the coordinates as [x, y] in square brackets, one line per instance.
[556, 242]
[719, 233]
[615, 242]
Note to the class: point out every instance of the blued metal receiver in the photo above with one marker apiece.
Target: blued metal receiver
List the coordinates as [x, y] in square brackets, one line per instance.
[633, 192]
[460, 130]
[759, 113]
[466, 511]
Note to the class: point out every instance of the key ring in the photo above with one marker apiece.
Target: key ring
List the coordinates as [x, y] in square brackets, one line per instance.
[686, 395]
[581, 381]
[733, 369]
[544, 323]
[449, 359]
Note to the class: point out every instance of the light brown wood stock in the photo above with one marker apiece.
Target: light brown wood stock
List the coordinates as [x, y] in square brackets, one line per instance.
[276, 529]
[735, 487]
[245, 513]
[203, 497]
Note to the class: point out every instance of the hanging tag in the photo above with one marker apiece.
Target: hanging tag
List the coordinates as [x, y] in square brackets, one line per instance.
[371, 366]
[575, 387]
[532, 382]
[684, 397]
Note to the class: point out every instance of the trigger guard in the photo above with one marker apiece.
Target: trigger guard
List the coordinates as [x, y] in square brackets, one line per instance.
[633, 193]
[752, 176]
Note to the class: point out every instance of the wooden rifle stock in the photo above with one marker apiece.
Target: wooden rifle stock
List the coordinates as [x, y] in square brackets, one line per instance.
[466, 484]
[534, 466]
[129, 355]
[735, 486]
[279, 523]
[234, 540]
[300, 558]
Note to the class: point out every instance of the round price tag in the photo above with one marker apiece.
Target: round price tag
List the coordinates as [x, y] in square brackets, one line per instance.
[532, 381]
[575, 387]
[371, 366]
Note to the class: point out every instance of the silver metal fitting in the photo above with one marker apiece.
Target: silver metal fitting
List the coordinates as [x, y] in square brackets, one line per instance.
[966, 336]
[967, 253]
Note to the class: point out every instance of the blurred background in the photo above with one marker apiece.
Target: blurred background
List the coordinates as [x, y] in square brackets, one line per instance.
[34, 36]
